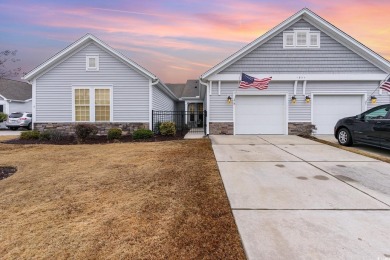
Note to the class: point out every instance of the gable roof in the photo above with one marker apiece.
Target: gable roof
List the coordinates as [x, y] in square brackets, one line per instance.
[191, 89]
[74, 46]
[15, 90]
[321, 24]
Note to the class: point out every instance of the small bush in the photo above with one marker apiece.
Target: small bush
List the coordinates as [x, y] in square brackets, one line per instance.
[142, 134]
[168, 128]
[30, 135]
[114, 133]
[84, 131]
[52, 135]
[3, 117]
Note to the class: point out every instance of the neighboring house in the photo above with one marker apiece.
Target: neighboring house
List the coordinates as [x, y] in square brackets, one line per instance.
[91, 82]
[15, 96]
[191, 96]
[306, 57]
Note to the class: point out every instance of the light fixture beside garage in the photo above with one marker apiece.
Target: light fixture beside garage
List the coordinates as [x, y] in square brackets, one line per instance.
[293, 99]
[308, 99]
[373, 99]
[229, 99]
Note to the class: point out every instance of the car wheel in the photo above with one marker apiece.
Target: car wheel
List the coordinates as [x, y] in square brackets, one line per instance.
[29, 127]
[344, 137]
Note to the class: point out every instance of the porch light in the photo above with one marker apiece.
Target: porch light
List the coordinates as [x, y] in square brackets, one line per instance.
[229, 99]
[293, 99]
[373, 100]
[307, 98]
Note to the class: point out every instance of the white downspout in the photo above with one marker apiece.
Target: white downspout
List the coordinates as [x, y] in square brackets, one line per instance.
[207, 105]
[151, 84]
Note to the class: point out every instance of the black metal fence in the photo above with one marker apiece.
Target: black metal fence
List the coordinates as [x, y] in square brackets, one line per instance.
[186, 121]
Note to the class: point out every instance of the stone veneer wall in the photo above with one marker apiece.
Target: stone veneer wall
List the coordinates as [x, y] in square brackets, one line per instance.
[221, 128]
[69, 128]
[301, 128]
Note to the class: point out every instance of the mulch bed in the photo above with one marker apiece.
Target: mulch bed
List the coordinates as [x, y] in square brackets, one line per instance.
[99, 139]
[6, 171]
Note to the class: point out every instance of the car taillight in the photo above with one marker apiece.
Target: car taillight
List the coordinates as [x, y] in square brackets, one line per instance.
[23, 118]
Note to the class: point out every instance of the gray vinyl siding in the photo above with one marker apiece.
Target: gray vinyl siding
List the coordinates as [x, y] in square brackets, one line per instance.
[54, 88]
[331, 57]
[161, 101]
[221, 111]
[20, 106]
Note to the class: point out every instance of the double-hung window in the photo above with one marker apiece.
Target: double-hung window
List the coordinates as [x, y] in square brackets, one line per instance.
[92, 104]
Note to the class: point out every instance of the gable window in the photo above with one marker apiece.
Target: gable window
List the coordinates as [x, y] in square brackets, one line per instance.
[301, 38]
[92, 104]
[92, 62]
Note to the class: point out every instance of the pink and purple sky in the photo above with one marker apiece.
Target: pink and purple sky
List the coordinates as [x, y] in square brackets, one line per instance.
[176, 40]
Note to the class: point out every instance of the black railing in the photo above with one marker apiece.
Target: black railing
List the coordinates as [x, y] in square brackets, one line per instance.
[186, 121]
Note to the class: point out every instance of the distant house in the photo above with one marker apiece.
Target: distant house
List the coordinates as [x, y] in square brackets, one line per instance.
[319, 75]
[91, 82]
[15, 96]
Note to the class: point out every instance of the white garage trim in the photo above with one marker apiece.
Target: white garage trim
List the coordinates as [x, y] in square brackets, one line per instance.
[334, 93]
[259, 93]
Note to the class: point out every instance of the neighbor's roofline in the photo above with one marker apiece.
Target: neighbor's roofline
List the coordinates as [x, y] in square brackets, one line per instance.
[378, 60]
[35, 72]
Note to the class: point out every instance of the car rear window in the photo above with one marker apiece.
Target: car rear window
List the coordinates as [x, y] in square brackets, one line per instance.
[15, 115]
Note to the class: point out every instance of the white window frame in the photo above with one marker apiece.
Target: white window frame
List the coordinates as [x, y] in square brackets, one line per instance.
[295, 39]
[92, 56]
[92, 103]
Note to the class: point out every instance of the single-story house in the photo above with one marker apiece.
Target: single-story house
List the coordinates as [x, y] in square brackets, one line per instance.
[15, 96]
[319, 75]
[89, 81]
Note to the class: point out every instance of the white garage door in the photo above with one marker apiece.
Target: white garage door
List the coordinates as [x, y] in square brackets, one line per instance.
[260, 115]
[327, 110]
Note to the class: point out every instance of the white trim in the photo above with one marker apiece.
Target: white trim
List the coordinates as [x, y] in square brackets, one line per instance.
[219, 88]
[317, 21]
[259, 93]
[311, 77]
[336, 93]
[207, 106]
[87, 66]
[34, 102]
[308, 34]
[92, 102]
[211, 87]
[47, 122]
[86, 38]
[295, 87]
[150, 104]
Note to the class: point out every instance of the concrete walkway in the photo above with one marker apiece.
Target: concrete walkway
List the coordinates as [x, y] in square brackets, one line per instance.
[294, 198]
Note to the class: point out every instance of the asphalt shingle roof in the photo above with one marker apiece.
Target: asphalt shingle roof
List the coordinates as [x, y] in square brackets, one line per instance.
[15, 90]
[190, 89]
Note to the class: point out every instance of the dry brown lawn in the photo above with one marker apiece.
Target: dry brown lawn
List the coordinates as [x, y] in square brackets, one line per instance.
[122, 201]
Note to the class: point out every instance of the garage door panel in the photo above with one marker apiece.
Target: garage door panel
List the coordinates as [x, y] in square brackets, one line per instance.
[328, 109]
[260, 115]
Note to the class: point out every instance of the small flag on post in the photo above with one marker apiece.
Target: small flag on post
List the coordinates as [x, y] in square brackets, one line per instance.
[386, 85]
[251, 82]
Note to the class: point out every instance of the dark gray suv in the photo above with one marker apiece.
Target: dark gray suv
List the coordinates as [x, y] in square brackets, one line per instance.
[371, 127]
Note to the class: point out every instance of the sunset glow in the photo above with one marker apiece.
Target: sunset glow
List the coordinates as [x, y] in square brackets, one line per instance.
[176, 40]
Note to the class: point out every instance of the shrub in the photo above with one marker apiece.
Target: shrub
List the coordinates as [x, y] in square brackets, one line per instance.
[84, 131]
[52, 135]
[114, 133]
[3, 117]
[168, 128]
[142, 134]
[30, 135]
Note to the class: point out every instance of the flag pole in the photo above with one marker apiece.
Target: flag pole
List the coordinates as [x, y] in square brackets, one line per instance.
[380, 84]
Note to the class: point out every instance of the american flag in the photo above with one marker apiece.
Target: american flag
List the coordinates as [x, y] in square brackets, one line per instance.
[386, 85]
[251, 82]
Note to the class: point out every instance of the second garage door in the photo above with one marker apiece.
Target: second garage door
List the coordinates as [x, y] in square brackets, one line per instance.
[328, 109]
[260, 114]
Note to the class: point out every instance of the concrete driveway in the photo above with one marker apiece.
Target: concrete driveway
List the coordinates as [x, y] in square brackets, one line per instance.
[6, 132]
[294, 198]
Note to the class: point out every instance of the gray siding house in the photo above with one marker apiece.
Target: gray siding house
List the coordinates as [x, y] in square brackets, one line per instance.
[319, 75]
[91, 82]
[15, 96]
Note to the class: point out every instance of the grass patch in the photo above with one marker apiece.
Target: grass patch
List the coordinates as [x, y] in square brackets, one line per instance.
[125, 200]
[350, 149]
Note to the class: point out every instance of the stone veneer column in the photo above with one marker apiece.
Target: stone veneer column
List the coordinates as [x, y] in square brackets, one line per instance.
[221, 128]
